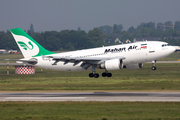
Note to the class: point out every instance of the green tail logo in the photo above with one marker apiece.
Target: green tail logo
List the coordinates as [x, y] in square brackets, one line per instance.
[25, 47]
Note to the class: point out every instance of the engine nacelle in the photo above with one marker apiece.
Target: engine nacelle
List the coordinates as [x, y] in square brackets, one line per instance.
[113, 64]
[134, 66]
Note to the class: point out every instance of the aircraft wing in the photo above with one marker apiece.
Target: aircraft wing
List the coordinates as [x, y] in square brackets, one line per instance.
[89, 60]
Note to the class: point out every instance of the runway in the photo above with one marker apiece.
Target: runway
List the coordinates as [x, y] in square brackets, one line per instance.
[92, 96]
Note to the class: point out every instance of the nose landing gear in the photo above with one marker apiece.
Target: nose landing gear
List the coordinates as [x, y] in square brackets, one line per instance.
[153, 63]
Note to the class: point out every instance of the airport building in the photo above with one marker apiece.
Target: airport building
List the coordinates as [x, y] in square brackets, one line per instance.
[3, 51]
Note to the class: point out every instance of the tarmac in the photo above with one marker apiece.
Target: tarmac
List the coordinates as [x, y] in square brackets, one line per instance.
[92, 96]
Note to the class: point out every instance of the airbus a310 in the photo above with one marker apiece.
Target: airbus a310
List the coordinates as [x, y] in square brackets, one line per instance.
[130, 56]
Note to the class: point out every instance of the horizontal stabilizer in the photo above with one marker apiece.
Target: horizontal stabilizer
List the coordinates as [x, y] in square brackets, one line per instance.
[23, 61]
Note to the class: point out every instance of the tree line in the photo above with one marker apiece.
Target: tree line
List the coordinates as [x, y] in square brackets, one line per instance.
[103, 35]
[58, 41]
[168, 31]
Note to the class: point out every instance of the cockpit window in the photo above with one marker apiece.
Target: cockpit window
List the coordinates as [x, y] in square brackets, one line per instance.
[163, 45]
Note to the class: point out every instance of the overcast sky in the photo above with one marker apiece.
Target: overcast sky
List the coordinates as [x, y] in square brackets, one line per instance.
[47, 15]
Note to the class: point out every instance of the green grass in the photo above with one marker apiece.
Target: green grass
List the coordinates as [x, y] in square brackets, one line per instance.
[89, 110]
[10, 56]
[166, 77]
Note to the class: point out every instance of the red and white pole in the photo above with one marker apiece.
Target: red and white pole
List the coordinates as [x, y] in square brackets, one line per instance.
[7, 68]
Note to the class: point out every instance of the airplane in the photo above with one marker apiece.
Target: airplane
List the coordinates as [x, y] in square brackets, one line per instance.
[130, 56]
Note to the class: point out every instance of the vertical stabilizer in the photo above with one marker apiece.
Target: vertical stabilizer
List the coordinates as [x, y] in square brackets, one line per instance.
[28, 46]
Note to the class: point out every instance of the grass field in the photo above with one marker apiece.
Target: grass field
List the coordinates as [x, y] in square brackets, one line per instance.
[10, 56]
[165, 78]
[89, 110]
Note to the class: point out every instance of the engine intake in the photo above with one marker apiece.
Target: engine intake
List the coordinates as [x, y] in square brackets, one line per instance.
[113, 64]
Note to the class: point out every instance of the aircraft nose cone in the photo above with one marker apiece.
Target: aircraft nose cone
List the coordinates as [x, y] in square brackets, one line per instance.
[173, 48]
[170, 50]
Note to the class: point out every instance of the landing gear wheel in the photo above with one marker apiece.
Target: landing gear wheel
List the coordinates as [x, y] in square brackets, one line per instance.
[108, 74]
[91, 75]
[96, 75]
[104, 74]
[153, 68]
[153, 65]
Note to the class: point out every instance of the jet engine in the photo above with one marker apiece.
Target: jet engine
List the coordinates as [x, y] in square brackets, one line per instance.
[134, 66]
[113, 64]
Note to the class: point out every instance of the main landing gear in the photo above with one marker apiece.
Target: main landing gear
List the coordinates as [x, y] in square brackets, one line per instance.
[96, 75]
[153, 63]
[93, 74]
[106, 74]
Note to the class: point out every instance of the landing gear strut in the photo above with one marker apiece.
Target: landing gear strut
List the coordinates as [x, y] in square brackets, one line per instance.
[153, 63]
[93, 74]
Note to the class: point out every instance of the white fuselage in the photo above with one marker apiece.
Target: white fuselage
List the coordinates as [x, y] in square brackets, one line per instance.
[133, 53]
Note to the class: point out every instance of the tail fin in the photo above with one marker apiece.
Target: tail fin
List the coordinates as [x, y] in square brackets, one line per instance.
[28, 46]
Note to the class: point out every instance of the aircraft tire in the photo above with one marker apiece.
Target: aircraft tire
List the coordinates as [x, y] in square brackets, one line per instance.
[153, 68]
[109, 74]
[96, 75]
[104, 74]
[91, 75]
